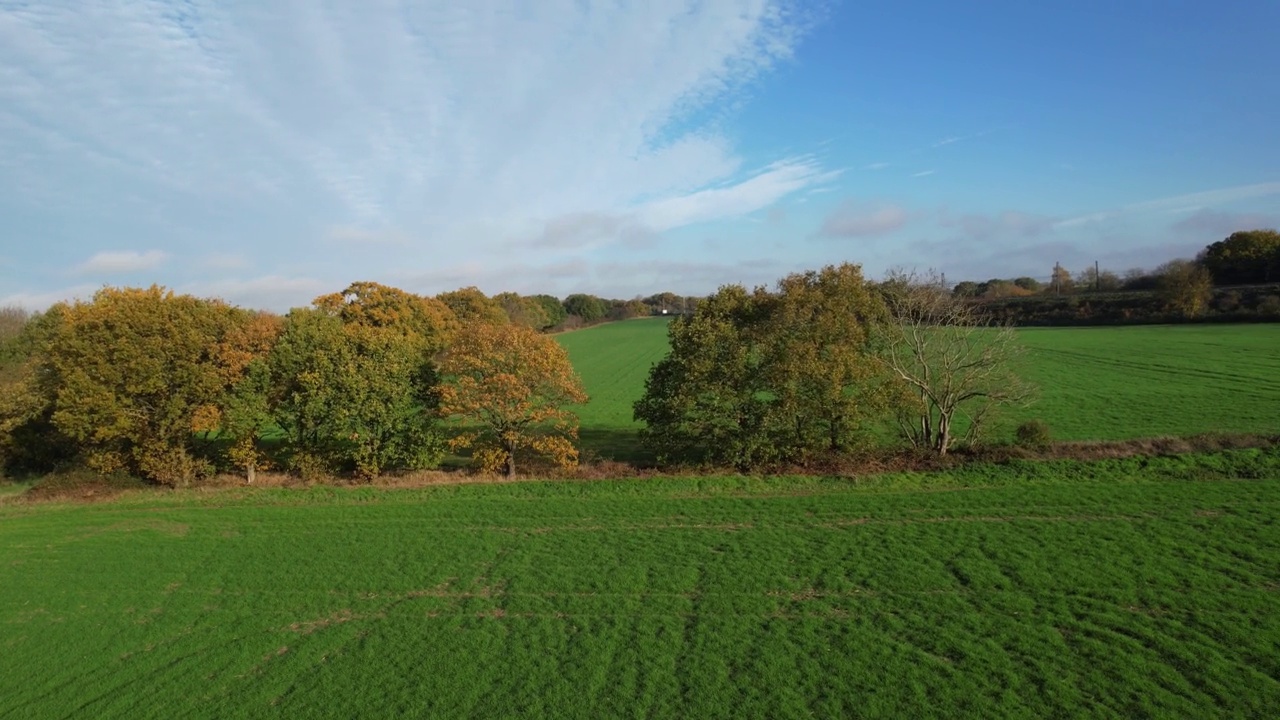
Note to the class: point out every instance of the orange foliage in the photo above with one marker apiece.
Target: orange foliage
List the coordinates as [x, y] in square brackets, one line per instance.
[375, 305]
[513, 383]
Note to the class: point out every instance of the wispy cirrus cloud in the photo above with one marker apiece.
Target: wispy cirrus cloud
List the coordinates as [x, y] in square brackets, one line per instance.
[1188, 202]
[453, 129]
[759, 191]
[952, 139]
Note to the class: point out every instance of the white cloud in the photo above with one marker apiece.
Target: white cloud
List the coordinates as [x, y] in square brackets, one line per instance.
[877, 166]
[120, 262]
[853, 219]
[451, 128]
[923, 173]
[753, 194]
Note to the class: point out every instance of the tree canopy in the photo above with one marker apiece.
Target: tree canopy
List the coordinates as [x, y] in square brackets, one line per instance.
[131, 375]
[1248, 256]
[760, 377]
[511, 385]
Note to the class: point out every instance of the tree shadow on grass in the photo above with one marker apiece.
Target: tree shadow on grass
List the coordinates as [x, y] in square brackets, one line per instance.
[619, 445]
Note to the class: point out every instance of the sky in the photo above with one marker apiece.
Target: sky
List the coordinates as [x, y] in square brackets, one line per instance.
[270, 152]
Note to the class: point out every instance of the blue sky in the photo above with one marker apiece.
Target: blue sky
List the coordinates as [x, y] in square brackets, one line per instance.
[270, 152]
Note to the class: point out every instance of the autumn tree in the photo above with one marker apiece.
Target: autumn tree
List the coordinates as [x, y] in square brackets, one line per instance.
[471, 305]
[352, 396]
[243, 415]
[352, 380]
[29, 441]
[526, 311]
[760, 377]
[957, 370]
[627, 309]
[1248, 256]
[373, 305]
[821, 333]
[132, 378]
[1186, 286]
[511, 385]
[707, 401]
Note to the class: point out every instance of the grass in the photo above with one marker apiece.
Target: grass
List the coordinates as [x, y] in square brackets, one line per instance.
[614, 361]
[1145, 587]
[1113, 383]
[1123, 382]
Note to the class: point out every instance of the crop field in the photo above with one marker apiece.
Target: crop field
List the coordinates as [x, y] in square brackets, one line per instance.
[1110, 383]
[1131, 588]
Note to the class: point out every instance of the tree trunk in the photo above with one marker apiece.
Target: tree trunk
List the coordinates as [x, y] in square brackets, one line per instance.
[251, 472]
[510, 447]
[944, 433]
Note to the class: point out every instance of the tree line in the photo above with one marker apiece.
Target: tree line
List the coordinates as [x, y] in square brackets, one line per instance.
[1231, 279]
[372, 379]
[174, 388]
[1247, 257]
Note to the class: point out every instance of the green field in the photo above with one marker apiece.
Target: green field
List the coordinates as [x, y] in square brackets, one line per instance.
[1124, 382]
[1136, 588]
[614, 360]
[1111, 383]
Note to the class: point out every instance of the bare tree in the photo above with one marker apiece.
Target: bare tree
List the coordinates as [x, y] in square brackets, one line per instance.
[953, 363]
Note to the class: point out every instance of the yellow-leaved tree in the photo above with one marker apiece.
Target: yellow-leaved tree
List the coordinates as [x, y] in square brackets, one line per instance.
[131, 378]
[510, 386]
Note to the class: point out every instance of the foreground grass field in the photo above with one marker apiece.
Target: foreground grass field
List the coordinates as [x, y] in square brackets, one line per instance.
[1135, 588]
[1111, 383]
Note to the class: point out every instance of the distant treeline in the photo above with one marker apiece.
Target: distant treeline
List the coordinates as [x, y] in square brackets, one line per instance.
[1233, 280]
